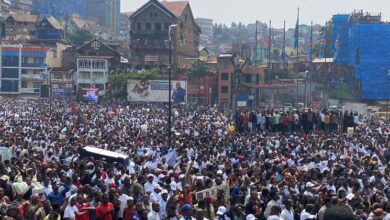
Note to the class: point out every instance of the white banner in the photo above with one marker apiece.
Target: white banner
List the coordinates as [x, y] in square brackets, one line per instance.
[156, 91]
[213, 192]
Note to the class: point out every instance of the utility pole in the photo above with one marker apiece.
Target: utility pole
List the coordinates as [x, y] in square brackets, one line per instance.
[170, 87]
[256, 90]
[326, 66]
[297, 58]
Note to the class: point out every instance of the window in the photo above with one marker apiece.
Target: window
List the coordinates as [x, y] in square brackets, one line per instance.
[24, 84]
[24, 59]
[98, 64]
[224, 76]
[166, 26]
[36, 85]
[148, 26]
[195, 87]
[10, 73]
[37, 72]
[139, 26]
[224, 89]
[84, 64]
[248, 78]
[185, 17]
[157, 26]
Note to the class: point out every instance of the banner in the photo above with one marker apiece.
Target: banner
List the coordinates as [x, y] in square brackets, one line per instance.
[156, 91]
[213, 192]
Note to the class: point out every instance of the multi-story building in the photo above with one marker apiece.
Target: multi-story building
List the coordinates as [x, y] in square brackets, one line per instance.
[149, 39]
[207, 27]
[48, 31]
[125, 23]
[252, 76]
[106, 12]
[60, 9]
[22, 6]
[94, 63]
[18, 26]
[4, 8]
[23, 69]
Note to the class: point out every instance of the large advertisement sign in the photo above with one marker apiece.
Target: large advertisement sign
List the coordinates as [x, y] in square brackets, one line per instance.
[156, 91]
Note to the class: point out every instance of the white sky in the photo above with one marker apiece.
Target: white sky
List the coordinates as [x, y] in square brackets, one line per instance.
[247, 11]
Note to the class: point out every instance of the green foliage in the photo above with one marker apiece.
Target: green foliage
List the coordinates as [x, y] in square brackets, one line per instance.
[79, 37]
[198, 69]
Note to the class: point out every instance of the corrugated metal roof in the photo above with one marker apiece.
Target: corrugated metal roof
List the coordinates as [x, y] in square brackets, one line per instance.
[54, 22]
[21, 17]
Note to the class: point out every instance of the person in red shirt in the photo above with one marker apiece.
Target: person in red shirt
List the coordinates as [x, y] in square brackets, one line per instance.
[105, 209]
[130, 210]
[81, 206]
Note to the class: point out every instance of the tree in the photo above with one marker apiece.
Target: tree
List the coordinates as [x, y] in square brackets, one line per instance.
[275, 54]
[79, 37]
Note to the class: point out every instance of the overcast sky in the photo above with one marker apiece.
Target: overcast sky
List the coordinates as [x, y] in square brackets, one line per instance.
[247, 11]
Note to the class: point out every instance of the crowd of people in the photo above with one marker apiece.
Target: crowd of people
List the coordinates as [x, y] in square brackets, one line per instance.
[260, 165]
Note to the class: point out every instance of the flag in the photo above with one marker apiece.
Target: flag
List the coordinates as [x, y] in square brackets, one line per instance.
[296, 34]
[322, 47]
[336, 47]
[310, 50]
[171, 157]
[283, 52]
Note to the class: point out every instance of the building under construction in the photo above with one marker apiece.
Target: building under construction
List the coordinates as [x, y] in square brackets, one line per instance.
[364, 43]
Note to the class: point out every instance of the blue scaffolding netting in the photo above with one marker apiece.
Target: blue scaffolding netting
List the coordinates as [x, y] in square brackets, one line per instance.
[366, 47]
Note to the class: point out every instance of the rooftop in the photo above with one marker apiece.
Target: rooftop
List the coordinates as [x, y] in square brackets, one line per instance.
[22, 17]
[176, 7]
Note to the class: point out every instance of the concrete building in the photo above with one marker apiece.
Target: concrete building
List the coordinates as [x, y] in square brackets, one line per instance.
[22, 6]
[252, 76]
[106, 13]
[18, 26]
[23, 69]
[94, 63]
[60, 9]
[207, 30]
[149, 39]
[4, 8]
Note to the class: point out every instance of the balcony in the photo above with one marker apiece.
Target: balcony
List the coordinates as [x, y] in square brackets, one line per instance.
[35, 65]
[29, 90]
[149, 44]
[34, 76]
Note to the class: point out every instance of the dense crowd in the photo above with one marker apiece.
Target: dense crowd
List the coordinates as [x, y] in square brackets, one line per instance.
[253, 165]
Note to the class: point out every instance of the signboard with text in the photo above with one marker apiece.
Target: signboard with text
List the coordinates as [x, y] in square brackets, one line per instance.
[156, 91]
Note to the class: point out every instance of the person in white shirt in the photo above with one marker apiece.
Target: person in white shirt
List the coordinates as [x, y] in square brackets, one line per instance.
[306, 213]
[275, 213]
[273, 202]
[288, 211]
[149, 186]
[123, 202]
[154, 213]
[155, 195]
[163, 203]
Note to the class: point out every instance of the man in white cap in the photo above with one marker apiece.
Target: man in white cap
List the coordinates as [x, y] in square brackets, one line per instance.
[163, 203]
[155, 195]
[149, 186]
[221, 213]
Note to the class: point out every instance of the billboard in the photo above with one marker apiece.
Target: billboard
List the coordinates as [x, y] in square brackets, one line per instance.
[156, 91]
